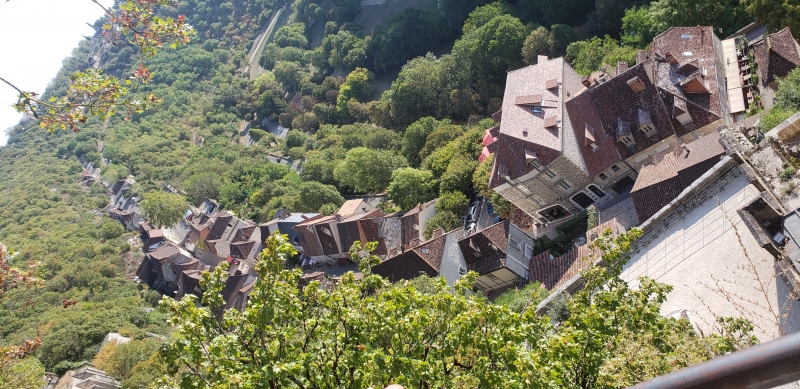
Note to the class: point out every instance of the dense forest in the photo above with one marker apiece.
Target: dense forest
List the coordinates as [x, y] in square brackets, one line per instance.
[373, 101]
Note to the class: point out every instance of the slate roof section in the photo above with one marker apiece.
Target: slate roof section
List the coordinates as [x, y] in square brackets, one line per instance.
[662, 181]
[523, 129]
[219, 226]
[485, 251]
[616, 102]
[695, 52]
[241, 249]
[776, 55]
[588, 128]
[406, 266]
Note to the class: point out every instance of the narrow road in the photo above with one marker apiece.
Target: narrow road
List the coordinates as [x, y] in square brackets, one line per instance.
[259, 44]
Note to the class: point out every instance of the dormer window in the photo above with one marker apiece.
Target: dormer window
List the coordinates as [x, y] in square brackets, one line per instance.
[624, 133]
[645, 123]
[589, 137]
[636, 84]
[680, 112]
[532, 159]
[648, 129]
[627, 140]
[551, 84]
[551, 121]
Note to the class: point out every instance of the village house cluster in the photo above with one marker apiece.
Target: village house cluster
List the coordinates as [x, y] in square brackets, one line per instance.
[625, 140]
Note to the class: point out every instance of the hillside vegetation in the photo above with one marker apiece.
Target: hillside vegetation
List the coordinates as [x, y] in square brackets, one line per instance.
[320, 71]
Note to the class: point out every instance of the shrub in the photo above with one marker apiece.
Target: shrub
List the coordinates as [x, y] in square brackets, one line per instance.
[787, 173]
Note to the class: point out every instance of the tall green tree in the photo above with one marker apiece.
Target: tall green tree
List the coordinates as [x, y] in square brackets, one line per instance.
[367, 170]
[163, 209]
[372, 333]
[537, 43]
[416, 135]
[489, 51]
[411, 186]
[776, 14]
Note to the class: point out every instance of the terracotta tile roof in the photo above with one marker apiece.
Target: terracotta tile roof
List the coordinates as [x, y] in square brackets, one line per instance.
[663, 168]
[164, 252]
[693, 49]
[589, 129]
[662, 181]
[353, 207]
[777, 54]
[244, 233]
[431, 251]
[554, 272]
[308, 240]
[485, 251]
[689, 67]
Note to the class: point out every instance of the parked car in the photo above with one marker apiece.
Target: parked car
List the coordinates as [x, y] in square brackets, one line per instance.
[470, 227]
[473, 212]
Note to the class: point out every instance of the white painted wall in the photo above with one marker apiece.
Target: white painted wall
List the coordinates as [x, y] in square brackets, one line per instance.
[452, 259]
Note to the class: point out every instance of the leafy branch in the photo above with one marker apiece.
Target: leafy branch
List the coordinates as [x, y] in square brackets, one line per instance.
[94, 93]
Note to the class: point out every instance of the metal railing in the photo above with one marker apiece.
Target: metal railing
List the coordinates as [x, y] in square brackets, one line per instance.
[766, 365]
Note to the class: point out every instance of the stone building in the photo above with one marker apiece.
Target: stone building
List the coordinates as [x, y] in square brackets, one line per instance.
[565, 142]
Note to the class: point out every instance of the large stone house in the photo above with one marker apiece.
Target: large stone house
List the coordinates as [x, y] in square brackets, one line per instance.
[565, 142]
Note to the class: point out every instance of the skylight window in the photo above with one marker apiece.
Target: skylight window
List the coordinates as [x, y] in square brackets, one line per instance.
[686, 36]
[687, 53]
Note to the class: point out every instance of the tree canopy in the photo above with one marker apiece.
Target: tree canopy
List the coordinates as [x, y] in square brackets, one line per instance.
[163, 209]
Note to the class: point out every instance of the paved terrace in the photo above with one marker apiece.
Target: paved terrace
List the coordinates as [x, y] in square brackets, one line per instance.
[701, 257]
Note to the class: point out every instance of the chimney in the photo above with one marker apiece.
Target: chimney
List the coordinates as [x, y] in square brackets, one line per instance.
[622, 66]
[669, 57]
[586, 81]
[541, 59]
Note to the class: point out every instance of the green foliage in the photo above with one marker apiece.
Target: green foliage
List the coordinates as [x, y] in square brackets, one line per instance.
[416, 136]
[561, 35]
[458, 176]
[591, 217]
[291, 35]
[537, 43]
[327, 335]
[110, 229]
[367, 170]
[588, 56]
[355, 88]
[438, 138]
[447, 221]
[480, 179]
[452, 202]
[776, 14]
[421, 89]
[640, 26]
[410, 187]
[786, 103]
[491, 49]
[409, 34]
[163, 209]
[22, 373]
[120, 360]
[787, 173]
[518, 300]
